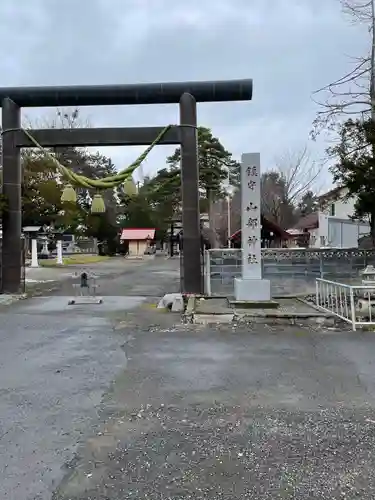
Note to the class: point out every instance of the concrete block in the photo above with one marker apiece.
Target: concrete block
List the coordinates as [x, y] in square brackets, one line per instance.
[246, 289]
[254, 304]
[178, 304]
[190, 307]
[209, 319]
[172, 301]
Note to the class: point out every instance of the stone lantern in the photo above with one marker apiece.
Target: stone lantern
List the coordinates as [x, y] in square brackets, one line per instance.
[368, 276]
[56, 235]
[365, 304]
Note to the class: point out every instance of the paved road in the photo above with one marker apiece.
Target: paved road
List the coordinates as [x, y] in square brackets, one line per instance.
[222, 413]
[158, 410]
[105, 268]
[56, 361]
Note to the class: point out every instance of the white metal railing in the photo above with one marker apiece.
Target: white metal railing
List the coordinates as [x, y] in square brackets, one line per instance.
[351, 303]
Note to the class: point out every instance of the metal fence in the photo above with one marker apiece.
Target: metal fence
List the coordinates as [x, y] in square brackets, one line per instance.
[351, 303]
[86, 245]
[290, 270]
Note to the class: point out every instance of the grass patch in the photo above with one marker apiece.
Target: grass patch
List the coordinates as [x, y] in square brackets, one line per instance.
[79, 259]
[149, 305]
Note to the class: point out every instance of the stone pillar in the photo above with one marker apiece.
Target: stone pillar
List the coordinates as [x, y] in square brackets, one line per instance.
[34, 253]
[59, 259]
[251, 286]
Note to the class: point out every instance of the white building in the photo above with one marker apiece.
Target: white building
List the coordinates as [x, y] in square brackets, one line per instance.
[332, 226]
[335, 203]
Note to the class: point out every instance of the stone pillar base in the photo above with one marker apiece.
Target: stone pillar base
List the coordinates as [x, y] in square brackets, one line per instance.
[252, 289]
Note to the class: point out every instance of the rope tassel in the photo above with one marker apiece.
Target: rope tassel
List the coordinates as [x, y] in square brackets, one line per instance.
[98, 205]
[106, 182]
[69, 194]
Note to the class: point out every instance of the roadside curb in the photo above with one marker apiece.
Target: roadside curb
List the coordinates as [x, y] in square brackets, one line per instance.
[8, 300]
[276, 317]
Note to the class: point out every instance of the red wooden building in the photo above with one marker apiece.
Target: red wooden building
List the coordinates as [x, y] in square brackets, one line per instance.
[272, 235]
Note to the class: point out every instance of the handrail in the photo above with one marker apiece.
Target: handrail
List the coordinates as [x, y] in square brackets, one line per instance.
[345, 285]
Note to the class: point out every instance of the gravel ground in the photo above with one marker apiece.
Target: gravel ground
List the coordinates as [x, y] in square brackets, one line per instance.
[232, 413]
[226, 452]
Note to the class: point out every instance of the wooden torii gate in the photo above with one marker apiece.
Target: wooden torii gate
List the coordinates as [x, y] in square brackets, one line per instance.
[187, 94]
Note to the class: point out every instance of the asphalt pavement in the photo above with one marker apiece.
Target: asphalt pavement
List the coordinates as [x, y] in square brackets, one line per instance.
[233, 413]
[124, 402]
[56, 361]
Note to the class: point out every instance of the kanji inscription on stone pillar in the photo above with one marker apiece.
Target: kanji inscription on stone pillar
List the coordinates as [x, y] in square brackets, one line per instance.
[251, 220]
[251, 286]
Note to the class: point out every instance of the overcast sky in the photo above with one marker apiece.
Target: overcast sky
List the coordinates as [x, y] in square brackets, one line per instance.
[289, 47]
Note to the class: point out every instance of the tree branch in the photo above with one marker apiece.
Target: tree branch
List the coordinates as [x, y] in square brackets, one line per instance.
[342, 97]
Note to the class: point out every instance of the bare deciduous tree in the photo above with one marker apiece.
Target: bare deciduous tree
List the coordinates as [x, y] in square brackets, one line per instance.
[299, 172]
[219, 219]
[353, 93]
[63, 118]
[283, 187]
[282, 190]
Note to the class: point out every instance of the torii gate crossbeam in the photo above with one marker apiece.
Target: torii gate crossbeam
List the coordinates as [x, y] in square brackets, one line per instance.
[187, 94]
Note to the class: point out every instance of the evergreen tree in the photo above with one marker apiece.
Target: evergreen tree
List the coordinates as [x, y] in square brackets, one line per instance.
[355, 166]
